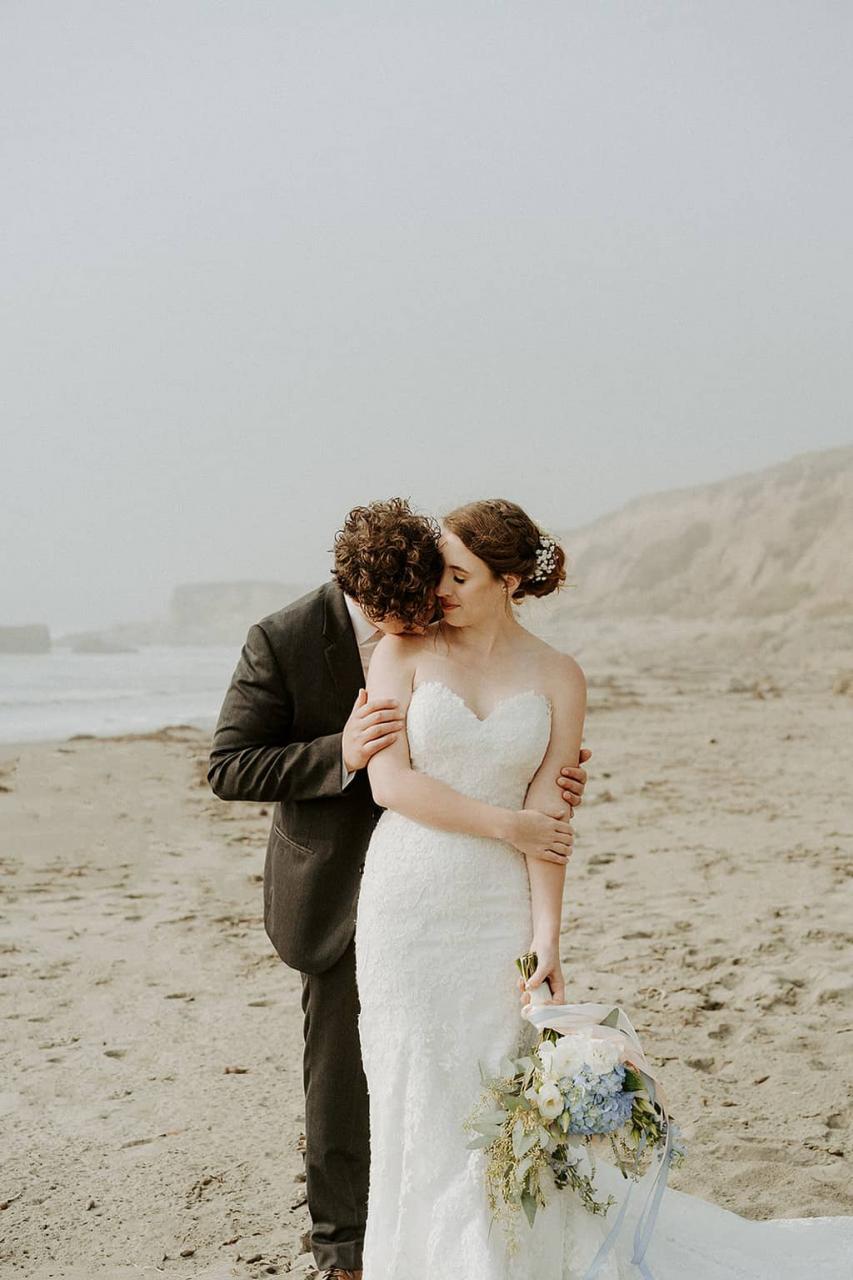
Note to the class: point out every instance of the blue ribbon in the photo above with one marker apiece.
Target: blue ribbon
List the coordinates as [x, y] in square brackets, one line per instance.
[646, 1221]
[648, 1217]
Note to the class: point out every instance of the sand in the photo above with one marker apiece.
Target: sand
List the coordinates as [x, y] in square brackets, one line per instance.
[151, 1103]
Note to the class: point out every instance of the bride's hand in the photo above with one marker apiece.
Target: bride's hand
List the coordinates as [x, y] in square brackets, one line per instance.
[548, 836]
[548, 969]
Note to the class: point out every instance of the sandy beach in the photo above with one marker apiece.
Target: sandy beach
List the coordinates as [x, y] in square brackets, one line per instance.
[151, 1101]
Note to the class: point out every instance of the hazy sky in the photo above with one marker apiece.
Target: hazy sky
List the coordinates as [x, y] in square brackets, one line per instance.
[265, 260]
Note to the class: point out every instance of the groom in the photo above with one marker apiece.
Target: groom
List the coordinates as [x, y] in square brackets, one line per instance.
[297, 729]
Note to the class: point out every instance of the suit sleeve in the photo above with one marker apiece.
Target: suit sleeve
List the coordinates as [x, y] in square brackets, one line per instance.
[253, 757]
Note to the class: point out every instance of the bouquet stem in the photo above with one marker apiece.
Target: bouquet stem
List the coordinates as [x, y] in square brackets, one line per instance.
[526, 966]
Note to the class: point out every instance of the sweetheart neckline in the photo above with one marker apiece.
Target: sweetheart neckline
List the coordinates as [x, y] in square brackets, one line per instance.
[512, 697]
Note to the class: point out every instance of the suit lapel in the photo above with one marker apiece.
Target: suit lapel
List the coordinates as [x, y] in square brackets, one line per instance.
[341, 648]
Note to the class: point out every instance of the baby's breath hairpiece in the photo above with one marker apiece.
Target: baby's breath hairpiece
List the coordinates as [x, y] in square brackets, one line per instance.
[546, 557]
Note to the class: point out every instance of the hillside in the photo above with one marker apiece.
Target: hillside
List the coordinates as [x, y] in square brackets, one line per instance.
[759, 545]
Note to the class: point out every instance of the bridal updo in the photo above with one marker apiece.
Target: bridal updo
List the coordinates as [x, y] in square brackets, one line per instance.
[500, 533]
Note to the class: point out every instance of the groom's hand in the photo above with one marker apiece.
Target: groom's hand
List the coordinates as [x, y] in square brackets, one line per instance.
[572, 780]
[371, 727]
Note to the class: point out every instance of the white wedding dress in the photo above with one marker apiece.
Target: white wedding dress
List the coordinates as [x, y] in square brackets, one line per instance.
[441, 920]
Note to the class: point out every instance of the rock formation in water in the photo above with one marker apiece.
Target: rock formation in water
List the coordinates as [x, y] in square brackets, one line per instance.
[28, 639]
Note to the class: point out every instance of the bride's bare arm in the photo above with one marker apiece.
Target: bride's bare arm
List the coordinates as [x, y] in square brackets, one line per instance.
[568, 709]
[396, 785]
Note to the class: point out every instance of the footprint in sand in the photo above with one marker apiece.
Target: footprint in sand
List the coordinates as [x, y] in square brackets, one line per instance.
[722, 1032]
[701, 1064]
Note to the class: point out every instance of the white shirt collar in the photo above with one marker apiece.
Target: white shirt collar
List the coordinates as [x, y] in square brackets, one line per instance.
[362, 626]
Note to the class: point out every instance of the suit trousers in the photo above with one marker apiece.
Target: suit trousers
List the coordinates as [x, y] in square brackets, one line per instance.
[337, 1142]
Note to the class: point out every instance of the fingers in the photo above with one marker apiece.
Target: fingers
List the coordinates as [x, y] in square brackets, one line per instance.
[370, 718]
[378, 744]
[381, 731]
[551, 855]
[379, 704]
[584, 755]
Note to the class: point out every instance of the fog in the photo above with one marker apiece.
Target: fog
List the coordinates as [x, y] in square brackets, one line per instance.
[263, 261]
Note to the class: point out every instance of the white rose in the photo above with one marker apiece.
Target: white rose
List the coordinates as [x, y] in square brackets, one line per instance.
[545, 1051]
[549, 1100]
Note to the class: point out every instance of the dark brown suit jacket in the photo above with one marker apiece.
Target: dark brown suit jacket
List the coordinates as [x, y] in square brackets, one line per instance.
[278, 739]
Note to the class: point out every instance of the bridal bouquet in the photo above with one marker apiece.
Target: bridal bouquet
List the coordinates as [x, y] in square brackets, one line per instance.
[586, 1090]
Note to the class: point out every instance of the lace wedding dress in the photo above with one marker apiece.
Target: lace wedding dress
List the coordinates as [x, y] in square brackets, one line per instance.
[441, 919]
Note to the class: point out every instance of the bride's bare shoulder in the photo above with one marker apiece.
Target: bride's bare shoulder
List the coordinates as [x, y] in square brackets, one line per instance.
[560, 671]
[405, 647]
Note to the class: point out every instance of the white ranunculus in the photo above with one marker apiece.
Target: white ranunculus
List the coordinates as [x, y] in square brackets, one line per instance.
[549, 1100]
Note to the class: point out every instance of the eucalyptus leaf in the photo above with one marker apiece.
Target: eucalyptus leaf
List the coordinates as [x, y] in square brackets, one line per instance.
[529, 1205]
[527, 1142]
[517, 1139]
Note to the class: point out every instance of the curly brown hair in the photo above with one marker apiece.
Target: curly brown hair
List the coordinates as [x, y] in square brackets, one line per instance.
[504, 536]
[387, 559]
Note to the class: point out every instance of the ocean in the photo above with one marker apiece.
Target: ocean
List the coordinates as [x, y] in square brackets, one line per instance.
[44, 697]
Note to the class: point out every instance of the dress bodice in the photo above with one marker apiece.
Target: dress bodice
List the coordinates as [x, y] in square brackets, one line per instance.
[492, 759]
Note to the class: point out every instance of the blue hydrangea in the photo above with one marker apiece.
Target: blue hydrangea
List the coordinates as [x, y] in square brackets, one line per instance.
[597, 1103]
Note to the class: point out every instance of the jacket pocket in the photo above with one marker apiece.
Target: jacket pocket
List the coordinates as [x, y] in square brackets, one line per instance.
[293, 843]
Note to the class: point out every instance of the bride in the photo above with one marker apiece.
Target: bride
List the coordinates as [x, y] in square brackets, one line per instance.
[464, 873]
